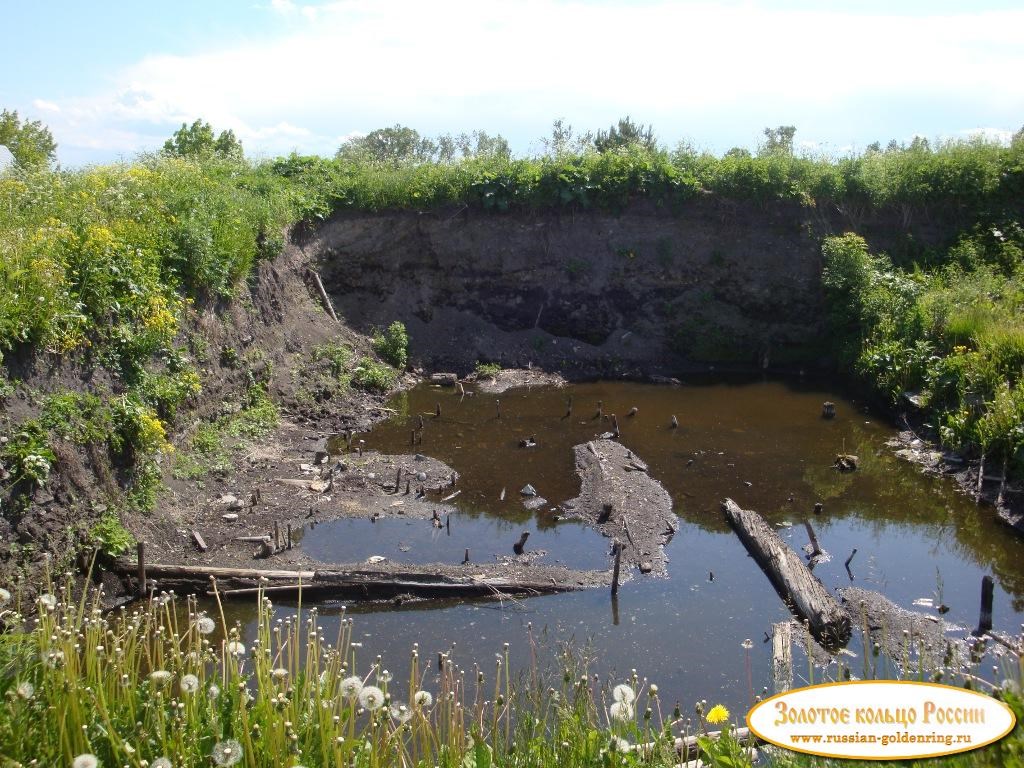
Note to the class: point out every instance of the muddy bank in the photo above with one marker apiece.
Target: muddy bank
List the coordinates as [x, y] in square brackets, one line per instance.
[515, 378]
[1006, 497]
[623, 502]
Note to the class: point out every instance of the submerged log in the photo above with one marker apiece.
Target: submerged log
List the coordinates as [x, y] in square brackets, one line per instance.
[782, 656]
[791, 578]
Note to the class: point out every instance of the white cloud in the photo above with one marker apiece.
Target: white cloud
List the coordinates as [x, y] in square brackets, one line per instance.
[45, 106]
[717, 70]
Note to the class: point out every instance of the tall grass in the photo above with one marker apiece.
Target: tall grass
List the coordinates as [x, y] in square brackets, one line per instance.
[165, 684]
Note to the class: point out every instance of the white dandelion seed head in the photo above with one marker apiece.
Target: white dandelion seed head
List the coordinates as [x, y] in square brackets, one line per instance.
[213, 691]
[385, 677]
[280, 673]
[236, 648]
[747, 644]
[351, 686]
[225, 753]
[85, 761]
[423, 699]
[26, 690]
[371, 697]
[49, 601]
[624, 693]
[189, 684]
[53, 659]
[159, 677]
[5, 597]
[618, 744]
[205, 625]
[161, 762]
[621, 711]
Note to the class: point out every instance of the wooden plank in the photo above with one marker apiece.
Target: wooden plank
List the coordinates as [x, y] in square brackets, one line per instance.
[199, 542]
[794, 582]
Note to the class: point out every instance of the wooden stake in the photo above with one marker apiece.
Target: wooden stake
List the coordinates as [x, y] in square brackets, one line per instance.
[141, 551]
[497, 406]
[448, 524]
[782, 656]
[674, 423]
[408, 486]
[398, 479]
[277, 535]
[289, 535]
[615, 570]
[985, 619]
[815, 549]
[981, 478]
[568, 409]
[465, 559]
[437, 411]
[1002, 482]
[323, 295]
[600, 409]
[412, 437]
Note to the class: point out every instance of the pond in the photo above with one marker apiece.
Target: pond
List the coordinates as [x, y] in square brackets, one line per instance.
[762, 443]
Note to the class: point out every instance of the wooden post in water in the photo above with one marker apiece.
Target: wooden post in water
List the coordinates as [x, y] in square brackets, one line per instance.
[600, 409]
[448, 523]
[568, 409]
[497, 407]
[140, 548]
[674, 423]
[437, 411]
[782, 656]
[412, 437]
[981, 479]
[615, 570]
[815, 549]
[985, 619]
[465, 560]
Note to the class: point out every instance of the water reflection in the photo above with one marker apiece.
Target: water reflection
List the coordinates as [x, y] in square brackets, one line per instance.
[763, 443]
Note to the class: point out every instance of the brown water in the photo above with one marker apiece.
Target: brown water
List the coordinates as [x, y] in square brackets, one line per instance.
[762, 443]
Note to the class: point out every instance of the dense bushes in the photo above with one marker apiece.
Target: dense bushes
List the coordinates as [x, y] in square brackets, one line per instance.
[953, 340]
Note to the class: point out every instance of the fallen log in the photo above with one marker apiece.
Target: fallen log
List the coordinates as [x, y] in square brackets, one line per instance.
[359, 583]
[782, 656]
[807, 596]
[205, 571]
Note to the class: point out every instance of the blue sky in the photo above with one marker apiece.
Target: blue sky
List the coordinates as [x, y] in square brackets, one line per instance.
[112, 79]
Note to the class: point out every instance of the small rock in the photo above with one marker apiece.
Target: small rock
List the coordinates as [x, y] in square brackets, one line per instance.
[230, 517]
[646, 567]
[534, 502]
[321, 457]
[228, 498]
[528, 490]
[305, 468]
[375, 559]
[420, 457]
[421, 476]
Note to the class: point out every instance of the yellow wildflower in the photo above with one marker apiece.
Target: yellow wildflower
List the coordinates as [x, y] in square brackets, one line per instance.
[718, 714]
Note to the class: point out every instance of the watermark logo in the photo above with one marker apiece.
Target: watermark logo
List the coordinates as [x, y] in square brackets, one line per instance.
[881, 720]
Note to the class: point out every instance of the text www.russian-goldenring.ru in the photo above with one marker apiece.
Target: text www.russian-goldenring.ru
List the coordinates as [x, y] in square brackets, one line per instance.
[905, 737]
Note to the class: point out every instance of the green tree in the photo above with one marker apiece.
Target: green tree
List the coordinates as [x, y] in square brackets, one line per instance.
[624, 134]
[30, 142]
[778, 141]
[397, 145]
[198, 140]
[565, 141]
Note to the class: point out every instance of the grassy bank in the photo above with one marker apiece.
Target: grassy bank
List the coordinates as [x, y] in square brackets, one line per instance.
[165, 684]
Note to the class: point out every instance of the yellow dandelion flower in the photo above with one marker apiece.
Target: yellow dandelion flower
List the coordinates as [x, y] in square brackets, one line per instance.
[718, 714]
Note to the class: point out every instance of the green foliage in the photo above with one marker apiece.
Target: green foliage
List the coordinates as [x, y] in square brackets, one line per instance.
[26, 454]
[257, 418]
[79, 417]
[336, 355]
[393, 345]
[626, 133]
[935, 335]
[30, 142]
[399, 145]
[778, 141]
[371, 376]
[110, 535]
[198, 141]
[487, 370]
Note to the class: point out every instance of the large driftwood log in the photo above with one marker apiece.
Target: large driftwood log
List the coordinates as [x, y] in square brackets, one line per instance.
[355, 583]
[791, 578]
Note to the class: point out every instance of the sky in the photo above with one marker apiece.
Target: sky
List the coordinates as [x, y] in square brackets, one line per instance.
[113, 78]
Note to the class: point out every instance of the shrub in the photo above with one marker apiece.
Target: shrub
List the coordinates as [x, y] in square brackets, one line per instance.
[111, 536]
[393, 345]
[373, 376]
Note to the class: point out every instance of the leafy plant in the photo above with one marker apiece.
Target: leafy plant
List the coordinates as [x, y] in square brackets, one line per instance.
[110, 535]
[372, 376]
[393, 345]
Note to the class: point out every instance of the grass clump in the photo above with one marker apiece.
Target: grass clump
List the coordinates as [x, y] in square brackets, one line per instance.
[487, 370]
[110, 535]
[372, 376]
